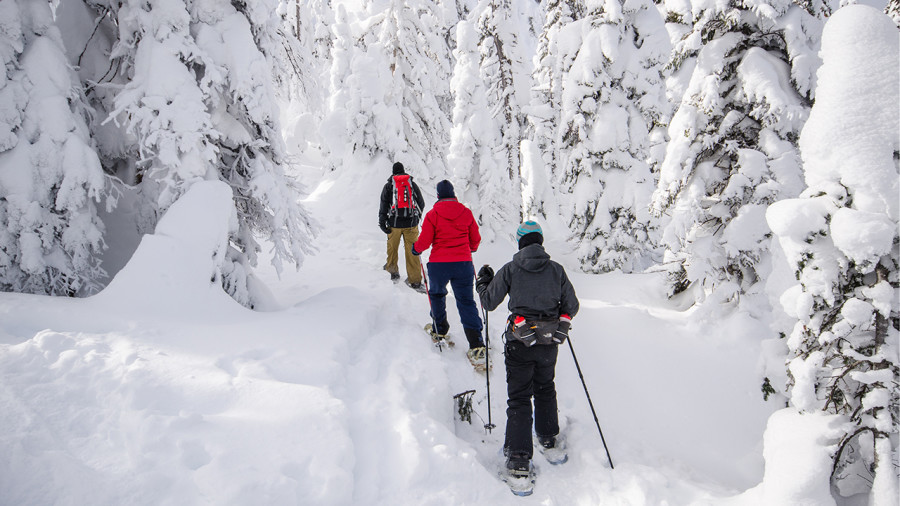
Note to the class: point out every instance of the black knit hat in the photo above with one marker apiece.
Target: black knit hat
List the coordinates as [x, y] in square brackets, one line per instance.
[445, 190]
[398, 168]
[531, 238]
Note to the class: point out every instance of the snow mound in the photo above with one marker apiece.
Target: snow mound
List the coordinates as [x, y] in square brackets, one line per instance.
[180, 265]
[797, 449]
[857, 100]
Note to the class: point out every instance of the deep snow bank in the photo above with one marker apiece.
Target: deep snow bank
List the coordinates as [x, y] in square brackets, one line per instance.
[180, 264]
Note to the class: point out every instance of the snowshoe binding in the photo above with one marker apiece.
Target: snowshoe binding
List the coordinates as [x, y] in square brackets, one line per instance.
[553, 448]
[439, 340]
[518, 474]
[477, 358]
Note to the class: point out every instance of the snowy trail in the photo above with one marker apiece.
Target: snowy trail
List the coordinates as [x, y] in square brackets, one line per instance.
[338, 397]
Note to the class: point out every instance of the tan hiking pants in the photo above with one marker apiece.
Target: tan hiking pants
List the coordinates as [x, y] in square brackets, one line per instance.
[413, 269]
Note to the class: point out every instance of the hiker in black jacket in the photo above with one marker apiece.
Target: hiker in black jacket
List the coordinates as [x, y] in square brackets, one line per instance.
[398, 216]
[541, 303]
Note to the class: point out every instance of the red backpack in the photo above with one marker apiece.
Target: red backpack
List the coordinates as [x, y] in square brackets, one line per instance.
[404, 205]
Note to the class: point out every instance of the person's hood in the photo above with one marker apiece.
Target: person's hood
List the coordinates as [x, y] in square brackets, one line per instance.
[449, 208]
[532, 258]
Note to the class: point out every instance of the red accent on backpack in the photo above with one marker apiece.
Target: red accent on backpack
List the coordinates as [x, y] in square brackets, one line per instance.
[402, 192]
[404, 205]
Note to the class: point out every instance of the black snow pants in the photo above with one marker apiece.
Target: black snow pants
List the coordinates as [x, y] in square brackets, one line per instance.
[529, 373]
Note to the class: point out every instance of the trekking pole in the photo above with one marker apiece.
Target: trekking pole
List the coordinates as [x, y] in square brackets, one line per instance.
[487, 365]
[430, 307]
[590, 403]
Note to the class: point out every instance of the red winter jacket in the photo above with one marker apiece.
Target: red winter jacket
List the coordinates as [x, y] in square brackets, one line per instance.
[452, 230]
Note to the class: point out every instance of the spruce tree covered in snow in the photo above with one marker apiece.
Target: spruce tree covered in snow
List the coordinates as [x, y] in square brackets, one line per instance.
[413, 38]
[302, 65]
[475, 158]
[198, 103]
[50, 176]
[553, 58]
[841, 240]
[613, 97]
[747, 75]
[500, 60]
[390, 92]
[893, 10]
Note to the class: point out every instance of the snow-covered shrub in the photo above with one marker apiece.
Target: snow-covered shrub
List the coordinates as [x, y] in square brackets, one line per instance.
[841, 239]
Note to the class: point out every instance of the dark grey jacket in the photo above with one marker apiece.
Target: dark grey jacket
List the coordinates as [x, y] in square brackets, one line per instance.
[538, 287]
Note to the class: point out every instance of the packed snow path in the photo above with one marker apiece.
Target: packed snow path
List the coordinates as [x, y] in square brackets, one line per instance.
[155, 392]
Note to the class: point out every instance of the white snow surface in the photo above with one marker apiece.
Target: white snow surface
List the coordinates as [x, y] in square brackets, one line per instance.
[162, 390]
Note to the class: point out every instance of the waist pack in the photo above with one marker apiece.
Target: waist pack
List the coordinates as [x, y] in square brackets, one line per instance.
[531, 332]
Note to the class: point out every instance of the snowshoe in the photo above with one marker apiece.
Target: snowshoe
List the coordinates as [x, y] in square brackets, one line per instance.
[395, 277]
[439, 340]
[477, 358]
[518, 474]
[553, 448]
[419, 287]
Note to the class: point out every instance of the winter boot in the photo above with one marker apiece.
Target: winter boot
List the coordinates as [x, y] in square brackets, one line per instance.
[519, 474]
[518, 465]
[553, 449]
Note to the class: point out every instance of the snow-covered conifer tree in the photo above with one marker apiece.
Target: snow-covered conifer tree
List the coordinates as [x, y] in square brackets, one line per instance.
[301, 68]
[50, 175]
[199, 104]
[613, 97]
[500, 63]
[553, 58]
[475, 156]
[337, 129]
[841, 240]
[413, 38]
[390, 91]
[748, 75]
[893, 10]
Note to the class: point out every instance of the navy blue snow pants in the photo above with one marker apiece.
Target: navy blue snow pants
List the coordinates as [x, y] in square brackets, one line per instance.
[461, 276]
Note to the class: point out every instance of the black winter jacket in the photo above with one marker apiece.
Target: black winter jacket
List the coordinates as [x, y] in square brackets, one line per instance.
[538, 287]
[387, 199]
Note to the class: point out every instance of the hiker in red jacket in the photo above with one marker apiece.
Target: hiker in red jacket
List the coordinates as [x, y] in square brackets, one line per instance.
[452, 232]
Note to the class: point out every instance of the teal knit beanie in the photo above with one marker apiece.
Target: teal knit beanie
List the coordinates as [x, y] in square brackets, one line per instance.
[527, 228]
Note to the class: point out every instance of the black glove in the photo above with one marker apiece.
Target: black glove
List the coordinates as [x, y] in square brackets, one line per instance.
[385, 227]
[412, 250]
[485, 276]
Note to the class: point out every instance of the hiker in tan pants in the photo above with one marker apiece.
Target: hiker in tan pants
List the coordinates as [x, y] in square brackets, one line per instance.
[398, 217]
